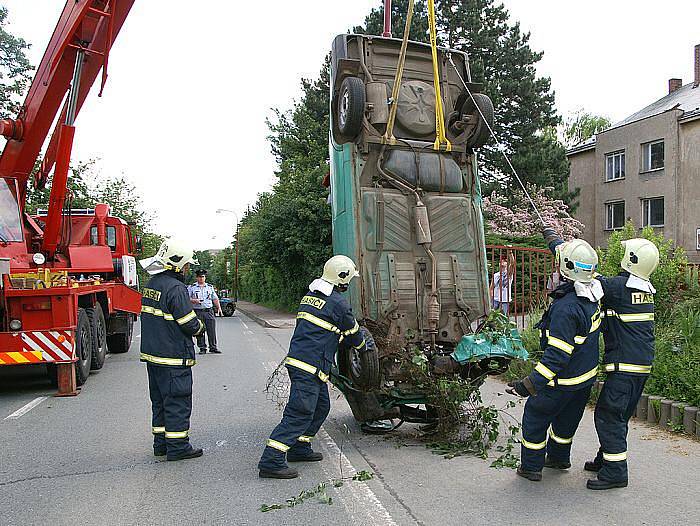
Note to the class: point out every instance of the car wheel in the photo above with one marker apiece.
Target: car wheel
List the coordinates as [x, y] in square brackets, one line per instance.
[120, 342]
[99, 336]
[481, 133]
[228, 310]
[350, 109]
[83, 347]
[362, 366]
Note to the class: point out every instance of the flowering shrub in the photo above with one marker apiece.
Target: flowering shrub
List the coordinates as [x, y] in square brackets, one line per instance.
[513, 217]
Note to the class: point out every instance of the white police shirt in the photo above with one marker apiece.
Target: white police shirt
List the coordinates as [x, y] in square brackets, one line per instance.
[205, 292]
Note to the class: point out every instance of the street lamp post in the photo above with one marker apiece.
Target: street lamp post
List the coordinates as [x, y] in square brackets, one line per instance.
[235, 279]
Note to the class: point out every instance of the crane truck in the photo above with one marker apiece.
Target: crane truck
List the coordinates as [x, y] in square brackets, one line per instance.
[68, 282]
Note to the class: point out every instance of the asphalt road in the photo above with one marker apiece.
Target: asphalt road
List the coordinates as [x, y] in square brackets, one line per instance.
[87, 459]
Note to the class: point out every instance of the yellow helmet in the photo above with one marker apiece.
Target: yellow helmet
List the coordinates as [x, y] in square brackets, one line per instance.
[577, 260]
[339, 270]
[641, 257]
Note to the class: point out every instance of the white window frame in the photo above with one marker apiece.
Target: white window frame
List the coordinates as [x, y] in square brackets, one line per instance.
[646, 156]
[646, 213]
[610, 159]
[610, 219]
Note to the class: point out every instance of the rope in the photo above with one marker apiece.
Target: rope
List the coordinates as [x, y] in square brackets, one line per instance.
[440, 137]
[389, 134]
[498, 143]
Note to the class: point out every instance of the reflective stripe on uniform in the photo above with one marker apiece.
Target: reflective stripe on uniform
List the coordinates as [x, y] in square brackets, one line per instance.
[353, 330]
[186, 318]
[545, 371]
[358, 347]
[304, 438]
[577, 379]
[306, 367]
[177, 434]
[277, 445]
[580, 339]
[156, 312]
[159, 360]
[615, 457]
[627, 368]
[558, 439]
[560, 344]
[157, 430]
[318, 322]
[632, 317]
[533, 445]
[596, 323]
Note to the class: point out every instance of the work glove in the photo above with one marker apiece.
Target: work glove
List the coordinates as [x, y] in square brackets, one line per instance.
[549, 234]
[519, 388]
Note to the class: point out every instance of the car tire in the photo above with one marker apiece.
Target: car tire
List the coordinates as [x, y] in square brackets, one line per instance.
[228, 310]
[119, 343]
[83, 347]
[481, 133]
[99, 336]
[350, 109]
[362, 366]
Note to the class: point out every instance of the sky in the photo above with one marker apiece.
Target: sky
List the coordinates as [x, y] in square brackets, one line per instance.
[189, 89]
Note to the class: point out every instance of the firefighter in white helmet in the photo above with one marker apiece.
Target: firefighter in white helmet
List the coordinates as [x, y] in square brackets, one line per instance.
[560, 385]
[324, 319]
[628, 332]
[167, 326]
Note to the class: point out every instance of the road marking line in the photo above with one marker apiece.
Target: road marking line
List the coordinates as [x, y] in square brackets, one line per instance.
[361, 492]
[244, 324]
[24, 410]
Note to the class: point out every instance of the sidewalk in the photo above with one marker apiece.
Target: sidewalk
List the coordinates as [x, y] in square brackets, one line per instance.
[269, 318]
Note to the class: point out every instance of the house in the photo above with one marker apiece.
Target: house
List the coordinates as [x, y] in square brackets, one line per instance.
[645, 168]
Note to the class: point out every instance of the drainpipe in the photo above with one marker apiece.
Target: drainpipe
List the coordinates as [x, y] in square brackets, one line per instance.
[387, 19]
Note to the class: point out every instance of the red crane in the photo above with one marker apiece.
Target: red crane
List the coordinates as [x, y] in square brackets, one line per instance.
[67, 277]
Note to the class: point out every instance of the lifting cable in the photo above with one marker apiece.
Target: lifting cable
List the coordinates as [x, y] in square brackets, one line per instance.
[440, 137]
[499, 144]
[389, 134]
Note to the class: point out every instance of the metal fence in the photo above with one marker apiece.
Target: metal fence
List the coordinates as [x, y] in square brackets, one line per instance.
[531, 277]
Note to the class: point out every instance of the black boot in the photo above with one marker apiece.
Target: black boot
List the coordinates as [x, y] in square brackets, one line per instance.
[191, 453]
[159, 452]
[283, 473]
[534, 476]
[605, 484]
[556, 464]
[592, 465]
[311, 457]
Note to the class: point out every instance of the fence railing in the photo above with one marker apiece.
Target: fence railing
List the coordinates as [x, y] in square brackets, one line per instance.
[532, 275]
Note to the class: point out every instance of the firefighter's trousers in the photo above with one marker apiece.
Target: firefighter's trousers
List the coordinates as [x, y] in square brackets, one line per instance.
[552, 412]
[170, 389]
[306, 410]
[615, 407]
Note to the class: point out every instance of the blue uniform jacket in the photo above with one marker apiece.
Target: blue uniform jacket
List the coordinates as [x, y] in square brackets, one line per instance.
[167, 322]
[569, 332]
[628, 326]
[321, 323]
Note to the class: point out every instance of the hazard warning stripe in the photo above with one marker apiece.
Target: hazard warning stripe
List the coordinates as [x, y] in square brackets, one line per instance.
[19, 358]
[53, 346]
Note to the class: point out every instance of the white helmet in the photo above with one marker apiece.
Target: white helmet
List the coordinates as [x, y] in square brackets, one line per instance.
[577, 260]
[339, 270]
[172, 255]
[641, 257]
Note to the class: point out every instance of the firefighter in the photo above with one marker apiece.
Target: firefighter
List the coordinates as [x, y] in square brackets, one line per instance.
[628, 332]
[324, 319]
[559, 387]
[168, 324]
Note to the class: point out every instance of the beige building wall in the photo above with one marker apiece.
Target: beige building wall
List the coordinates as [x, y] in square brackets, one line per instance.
[581, 176]
[689, 188]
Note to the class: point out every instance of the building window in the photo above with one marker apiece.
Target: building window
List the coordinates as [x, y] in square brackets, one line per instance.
[653, 212]
[615, 166]
[652, 156]
[614, 215]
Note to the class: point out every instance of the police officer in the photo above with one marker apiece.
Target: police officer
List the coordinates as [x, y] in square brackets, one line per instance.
[628, 332]
[561, 382]
[167, 326]
[324, 319]
[204, 299]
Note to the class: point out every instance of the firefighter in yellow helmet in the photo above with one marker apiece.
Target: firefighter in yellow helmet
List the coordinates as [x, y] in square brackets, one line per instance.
[560, 385]
[628, 332]
[324, 319]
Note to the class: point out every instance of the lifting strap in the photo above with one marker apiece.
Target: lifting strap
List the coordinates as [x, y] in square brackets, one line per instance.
[440, 137]
[388, 137]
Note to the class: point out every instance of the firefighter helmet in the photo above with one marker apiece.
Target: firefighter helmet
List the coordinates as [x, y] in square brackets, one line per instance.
[641, 257]
[172, 255]
[339, 270]
[577, 260]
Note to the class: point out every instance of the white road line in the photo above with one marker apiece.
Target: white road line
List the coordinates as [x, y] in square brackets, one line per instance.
[24, 410]
[362, 494]
[244, 324]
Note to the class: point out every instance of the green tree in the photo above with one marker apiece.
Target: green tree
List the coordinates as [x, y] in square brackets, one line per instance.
[582, 125]
[503, 61]
[14, 68]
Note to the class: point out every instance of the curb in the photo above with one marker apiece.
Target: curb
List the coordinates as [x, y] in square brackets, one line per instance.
[257, 319]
